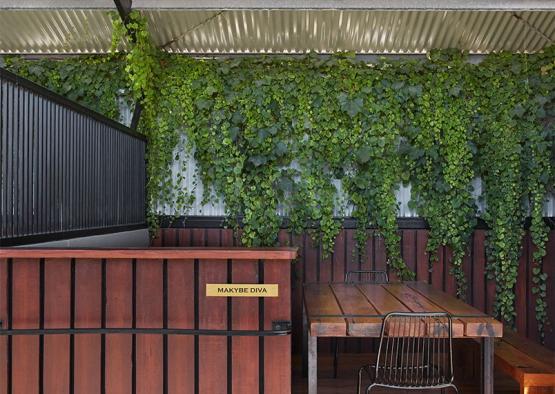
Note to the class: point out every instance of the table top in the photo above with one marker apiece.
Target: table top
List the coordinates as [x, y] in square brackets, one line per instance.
[340, 309]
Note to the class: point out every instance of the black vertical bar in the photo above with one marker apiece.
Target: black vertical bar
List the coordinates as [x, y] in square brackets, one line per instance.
[261, 328]
[43, 167]
[134, 325]
[41, 326]
[470, 287]
[10, 325]
[196, 313]
[3, 187]
[24, 162]
[72, 325]
[165, 318]
[103, 336]
[229, 327]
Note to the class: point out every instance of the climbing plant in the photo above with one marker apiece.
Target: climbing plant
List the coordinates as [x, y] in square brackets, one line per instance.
[97, 82]
[441, 155]
[321, 135]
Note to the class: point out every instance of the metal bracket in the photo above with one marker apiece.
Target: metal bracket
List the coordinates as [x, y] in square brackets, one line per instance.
[281, 325]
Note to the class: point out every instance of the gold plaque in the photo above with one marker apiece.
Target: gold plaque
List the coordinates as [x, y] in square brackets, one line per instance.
[241, 290]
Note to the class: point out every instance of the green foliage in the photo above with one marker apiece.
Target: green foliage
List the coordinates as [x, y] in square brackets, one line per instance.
[440, 155]
[319, 134]
[514, 149]
[97, 82]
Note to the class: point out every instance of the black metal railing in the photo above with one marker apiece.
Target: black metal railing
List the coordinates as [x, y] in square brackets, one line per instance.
[65, 170]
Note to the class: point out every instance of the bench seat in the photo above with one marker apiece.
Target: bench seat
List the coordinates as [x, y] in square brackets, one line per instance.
[527, 362]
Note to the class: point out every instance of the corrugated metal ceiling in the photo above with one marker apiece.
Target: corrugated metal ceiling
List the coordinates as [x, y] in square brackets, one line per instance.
[66, 31]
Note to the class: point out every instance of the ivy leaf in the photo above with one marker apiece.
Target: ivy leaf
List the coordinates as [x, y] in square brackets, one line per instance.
[363, 154]
[233, 133]
[455, 91]
[258, 160]
[415, 90]
[285, 184]
[203, 104]
[519, 110]
[280, 149]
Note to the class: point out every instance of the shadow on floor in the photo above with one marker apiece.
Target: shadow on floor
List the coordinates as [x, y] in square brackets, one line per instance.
[350, 362]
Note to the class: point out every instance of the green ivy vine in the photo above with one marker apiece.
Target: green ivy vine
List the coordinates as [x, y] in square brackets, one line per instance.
[320, 135]
[442, 153]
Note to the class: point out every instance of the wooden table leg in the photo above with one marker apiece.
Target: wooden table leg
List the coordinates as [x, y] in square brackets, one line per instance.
[313, 365]
[487, 365]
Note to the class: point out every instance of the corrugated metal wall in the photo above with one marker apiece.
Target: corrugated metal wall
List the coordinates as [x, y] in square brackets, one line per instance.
[64, 168]
[194, 185]
[218, 208]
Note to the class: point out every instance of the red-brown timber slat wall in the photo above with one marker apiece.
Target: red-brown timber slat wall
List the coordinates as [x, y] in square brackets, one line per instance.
[134, 289]
[311, 266]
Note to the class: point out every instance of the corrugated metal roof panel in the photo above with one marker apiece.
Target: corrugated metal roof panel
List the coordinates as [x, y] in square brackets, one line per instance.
[325, 31]
[284, 31]
[55, 31]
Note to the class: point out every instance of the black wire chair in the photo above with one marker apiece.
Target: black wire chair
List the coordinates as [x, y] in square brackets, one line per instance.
[415, 352]
[359, 276]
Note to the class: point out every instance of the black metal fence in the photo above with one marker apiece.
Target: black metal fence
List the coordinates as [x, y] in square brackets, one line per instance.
[65, 170]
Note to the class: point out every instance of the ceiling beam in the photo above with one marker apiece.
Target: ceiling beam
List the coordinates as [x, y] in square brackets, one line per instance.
[124, 9]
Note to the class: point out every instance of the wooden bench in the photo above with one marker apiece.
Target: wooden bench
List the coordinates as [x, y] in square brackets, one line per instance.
[530, 364]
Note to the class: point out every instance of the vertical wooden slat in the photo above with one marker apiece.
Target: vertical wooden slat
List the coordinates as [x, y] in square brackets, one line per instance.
[479, 277]
[25, 309]
[149, 350]
[245, 352]
[468, 270]
[549, 269]
[181, 372]
[88, 311]
[277, 359]
[380, 253]
[4, 319]
[298, 272]
[184, 238]
[422, 257]
[408, 248]
[157, 241]
[119, 314]
[311, 258]
[57, 288]
[170, 237]
[521, 305]
[212, 315]
[532, 322]
[449, 279]
[437, 269]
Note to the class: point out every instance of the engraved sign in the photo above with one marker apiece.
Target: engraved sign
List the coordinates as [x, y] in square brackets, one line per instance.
[241, 290]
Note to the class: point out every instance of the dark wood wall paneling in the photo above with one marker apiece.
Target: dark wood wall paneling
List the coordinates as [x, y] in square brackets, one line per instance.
[312, 266]
[142, 293]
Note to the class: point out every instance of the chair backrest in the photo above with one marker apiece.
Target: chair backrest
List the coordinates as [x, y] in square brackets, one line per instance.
[364, 276]
[415, 350]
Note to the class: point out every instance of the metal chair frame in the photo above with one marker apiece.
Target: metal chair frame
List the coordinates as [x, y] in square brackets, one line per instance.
[370, 276]
[412, 359]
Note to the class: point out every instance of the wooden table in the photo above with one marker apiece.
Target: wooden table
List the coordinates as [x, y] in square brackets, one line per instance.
[351, 310]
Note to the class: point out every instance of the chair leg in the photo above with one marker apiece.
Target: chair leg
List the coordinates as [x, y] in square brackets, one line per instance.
[335, 355]
[359, 382]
